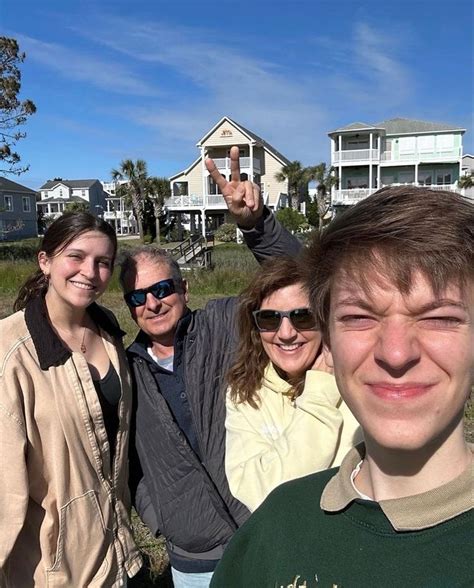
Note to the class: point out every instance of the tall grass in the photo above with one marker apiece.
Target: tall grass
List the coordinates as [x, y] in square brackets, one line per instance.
[233, 267]
[13, 274]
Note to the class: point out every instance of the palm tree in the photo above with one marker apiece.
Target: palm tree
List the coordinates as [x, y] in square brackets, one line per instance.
[136, 176]
[158, 190]
[295, 175]
[326, 179]
[466, 181]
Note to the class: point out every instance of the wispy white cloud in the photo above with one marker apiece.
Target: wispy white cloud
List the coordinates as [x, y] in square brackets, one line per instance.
[366, 69]
[76, 65]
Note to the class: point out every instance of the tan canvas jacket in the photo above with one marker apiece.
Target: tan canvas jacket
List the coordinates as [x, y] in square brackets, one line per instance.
[64, 517]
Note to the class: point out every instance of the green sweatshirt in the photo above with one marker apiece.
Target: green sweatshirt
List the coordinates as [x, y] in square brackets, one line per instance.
[292, 541]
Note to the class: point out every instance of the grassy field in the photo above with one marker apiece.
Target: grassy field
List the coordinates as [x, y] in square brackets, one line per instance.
[233, 269]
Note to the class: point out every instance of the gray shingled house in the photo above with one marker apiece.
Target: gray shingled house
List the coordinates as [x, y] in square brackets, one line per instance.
[18, 217]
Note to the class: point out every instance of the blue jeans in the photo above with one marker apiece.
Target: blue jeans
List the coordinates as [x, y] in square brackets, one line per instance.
[197, 580]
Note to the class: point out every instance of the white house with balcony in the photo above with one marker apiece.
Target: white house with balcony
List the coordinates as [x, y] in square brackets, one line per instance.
[55, 195]
[197, 198]
[117, 212]
[398, 151]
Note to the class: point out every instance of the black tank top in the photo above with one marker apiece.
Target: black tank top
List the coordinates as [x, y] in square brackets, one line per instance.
[108, 391]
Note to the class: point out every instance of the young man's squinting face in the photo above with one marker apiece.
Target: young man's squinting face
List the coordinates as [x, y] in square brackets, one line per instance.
[404, 363]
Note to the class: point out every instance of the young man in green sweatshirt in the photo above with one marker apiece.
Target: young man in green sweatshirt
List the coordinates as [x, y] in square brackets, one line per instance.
[392, 284]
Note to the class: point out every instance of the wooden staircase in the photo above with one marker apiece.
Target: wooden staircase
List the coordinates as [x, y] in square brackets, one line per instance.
[195, 251]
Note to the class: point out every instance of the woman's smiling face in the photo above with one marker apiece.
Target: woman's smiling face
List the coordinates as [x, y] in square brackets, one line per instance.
[79, 273]
[289, 349]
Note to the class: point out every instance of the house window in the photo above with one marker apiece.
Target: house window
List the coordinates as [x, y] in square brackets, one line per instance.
[54, 208]
[407, 144]
[213, 187]
[60, 192]
[443, 178]
[445, 142]
[426, 143]
[26, 204]
[83, 193]
[425, 178]
[8, 200]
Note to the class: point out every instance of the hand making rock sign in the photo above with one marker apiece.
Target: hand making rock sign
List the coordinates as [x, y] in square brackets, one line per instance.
[242, 197]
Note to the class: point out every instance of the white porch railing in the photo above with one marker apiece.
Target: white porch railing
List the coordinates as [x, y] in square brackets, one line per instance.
[186, 201]
[447, 187]
[356, 155]
[351, 196]
[354, 195]
[199, 201]
[224, 163]
[117, 213]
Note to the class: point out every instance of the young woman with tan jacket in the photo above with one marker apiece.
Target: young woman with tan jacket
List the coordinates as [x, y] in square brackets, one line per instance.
[65, 408]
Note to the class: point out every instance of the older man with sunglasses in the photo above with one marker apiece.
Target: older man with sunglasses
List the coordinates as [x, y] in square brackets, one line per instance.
[179, 361]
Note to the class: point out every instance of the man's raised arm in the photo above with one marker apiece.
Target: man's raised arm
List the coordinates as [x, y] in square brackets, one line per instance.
[262, 233]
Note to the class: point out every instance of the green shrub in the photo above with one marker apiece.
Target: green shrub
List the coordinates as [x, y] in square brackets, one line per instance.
[226, 233]
[19, 251]
[291, 219]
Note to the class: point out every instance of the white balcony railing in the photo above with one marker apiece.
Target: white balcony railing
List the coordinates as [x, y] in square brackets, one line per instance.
[199, 201]
[352, 155]
[186, 201]
[447, 187]
[224, 163]
[351, 196]
[356, 155]
[354, 195]
[118, 214]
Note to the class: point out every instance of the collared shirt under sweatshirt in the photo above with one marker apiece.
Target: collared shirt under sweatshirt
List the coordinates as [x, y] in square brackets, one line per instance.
[317, 532]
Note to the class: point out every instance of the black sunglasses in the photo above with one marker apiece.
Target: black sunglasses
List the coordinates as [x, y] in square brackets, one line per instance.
[160, 290]
[270, 320]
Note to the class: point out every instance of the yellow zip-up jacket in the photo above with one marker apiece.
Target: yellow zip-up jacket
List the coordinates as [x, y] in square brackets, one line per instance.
[285, 439]
[64, 508]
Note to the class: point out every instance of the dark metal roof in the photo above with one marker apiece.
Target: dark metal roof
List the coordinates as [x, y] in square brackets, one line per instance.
[69, 183]
[8, 185]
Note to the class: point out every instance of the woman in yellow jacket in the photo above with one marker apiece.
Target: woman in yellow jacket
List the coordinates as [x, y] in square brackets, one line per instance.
[285, 417]
[65, 408]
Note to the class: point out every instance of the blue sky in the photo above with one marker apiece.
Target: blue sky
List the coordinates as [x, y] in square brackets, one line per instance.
[115, 80]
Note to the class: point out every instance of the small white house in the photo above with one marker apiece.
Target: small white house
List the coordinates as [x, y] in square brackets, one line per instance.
[57, 194]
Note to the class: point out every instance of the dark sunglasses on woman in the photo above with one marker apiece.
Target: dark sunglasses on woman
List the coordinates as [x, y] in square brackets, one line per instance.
[160, 290]
[302, 319]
